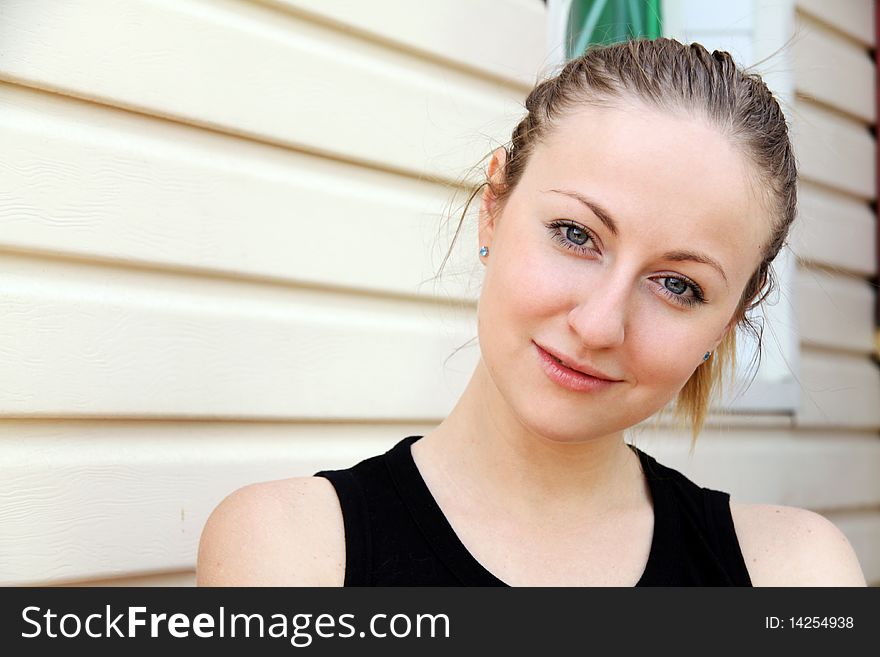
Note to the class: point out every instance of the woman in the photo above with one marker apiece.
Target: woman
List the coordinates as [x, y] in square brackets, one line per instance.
[624, 232]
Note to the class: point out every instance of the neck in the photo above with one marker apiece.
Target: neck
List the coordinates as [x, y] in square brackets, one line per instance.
[488, 454]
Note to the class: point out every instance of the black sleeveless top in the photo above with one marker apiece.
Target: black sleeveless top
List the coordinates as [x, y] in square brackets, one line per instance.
[396, 533]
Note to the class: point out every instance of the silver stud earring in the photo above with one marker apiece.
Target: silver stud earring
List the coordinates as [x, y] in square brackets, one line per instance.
[706, 355]
[484, 251]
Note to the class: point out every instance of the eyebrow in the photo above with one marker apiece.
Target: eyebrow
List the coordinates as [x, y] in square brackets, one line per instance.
[607, 220]
[598, 210]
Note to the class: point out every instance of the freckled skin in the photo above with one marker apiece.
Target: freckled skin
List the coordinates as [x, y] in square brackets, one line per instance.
[670, 182]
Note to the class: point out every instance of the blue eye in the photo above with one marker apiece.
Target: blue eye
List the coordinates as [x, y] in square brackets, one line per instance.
[573, 237]
[681, 288]
[576, 235]
[677, 290]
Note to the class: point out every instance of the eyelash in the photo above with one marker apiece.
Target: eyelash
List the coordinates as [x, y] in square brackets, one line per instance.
[554, 227]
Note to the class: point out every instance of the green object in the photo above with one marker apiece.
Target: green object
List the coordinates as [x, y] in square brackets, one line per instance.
[609, 21]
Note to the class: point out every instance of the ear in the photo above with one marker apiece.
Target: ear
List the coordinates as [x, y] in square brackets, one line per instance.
[489, 200]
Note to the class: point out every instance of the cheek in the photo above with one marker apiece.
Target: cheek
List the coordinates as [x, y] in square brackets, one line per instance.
[665, 359]
[664, 369]
[523, 286]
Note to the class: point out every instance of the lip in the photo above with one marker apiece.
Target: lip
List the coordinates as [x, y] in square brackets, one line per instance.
[568, 378]
[573, 366]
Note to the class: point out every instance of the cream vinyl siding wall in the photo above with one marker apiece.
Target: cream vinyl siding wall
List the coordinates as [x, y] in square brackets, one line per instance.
[217, 222]
[826, 456]
[836, 248]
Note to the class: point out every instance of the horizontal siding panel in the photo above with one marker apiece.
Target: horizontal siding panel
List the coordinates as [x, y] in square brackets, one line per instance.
[248, 70]
[863, 531]
[834, 230]
[719, 420]
[101, 341]
[96, 500]
[834, 70]
[838, 391]
[178, 579]
[855, 18]
[92, 182]
[106, 499]
[453, 30]
[818, 471]
[834, 311]
[834, 151]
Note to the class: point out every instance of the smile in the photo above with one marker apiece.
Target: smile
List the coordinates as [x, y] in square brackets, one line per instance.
[568, 378]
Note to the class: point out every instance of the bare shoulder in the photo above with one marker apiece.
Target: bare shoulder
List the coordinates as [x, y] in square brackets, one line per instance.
[277, 533]
[788, 546]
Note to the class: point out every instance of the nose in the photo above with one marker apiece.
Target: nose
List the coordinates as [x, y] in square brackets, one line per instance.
[599, 318]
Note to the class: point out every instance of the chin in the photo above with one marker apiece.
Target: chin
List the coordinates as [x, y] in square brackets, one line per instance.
[561, 429]
[567, 419]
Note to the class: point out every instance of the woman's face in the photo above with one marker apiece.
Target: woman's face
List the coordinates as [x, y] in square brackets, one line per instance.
[623, 300]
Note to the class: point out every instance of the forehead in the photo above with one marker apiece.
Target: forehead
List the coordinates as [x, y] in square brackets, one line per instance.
[670, 178]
